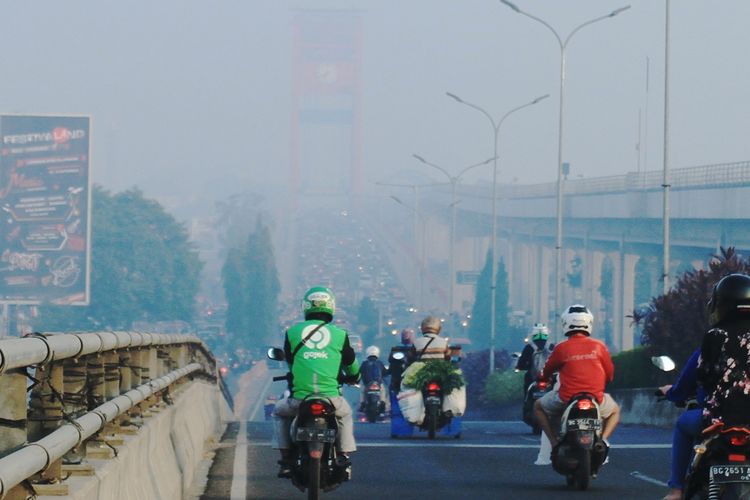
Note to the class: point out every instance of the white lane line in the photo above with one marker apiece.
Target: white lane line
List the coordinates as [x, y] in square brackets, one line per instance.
[239, 471]
[261, 399]
[648, 479]
[422, 444]
[533, 440]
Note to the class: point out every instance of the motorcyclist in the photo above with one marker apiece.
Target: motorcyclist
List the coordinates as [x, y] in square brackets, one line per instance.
[584, 365]
[317, 351]
[372, 370]
[535, 354]
[396, 366]
[431, 345]
[724, 361]
[688, 426]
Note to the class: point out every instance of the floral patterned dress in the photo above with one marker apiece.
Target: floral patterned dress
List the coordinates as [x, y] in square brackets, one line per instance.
[724, 371]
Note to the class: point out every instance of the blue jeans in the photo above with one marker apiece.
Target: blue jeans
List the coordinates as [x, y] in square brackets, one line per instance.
[688, 426]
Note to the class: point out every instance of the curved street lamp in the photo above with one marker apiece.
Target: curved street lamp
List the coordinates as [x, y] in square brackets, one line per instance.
[563, 45]
[453, 180]
[496, 124]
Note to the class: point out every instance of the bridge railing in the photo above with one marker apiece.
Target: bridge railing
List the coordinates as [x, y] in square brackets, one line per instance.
[67, 396]
[704, 176]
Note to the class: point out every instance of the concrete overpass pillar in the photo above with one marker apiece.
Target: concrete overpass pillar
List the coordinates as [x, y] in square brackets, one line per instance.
[545, 270]
[627, 302]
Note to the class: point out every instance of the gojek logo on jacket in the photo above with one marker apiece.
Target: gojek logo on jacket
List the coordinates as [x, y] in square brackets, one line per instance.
[318, 341]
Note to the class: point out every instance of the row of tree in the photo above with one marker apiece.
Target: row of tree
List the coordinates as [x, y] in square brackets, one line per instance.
[251, 287]
[143, 267]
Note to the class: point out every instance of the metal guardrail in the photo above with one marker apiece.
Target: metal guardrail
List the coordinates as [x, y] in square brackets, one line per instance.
[86, 389]
[700, 177]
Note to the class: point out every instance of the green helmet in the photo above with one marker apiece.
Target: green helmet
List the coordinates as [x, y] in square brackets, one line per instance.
[319, 299]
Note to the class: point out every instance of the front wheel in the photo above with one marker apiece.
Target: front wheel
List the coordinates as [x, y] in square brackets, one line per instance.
[313, 479]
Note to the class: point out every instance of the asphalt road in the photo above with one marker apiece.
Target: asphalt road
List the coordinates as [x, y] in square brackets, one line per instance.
[491, 460]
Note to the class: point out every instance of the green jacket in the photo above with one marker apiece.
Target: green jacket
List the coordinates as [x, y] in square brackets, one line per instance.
[316, 366]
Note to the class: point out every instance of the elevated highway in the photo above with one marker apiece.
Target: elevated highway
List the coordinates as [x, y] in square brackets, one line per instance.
[612, 239]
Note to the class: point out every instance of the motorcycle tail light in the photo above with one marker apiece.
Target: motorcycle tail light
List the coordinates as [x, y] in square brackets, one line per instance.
[738, 439]
[433, 387]
[736, 457]
[541, 384]
[374, 387]
[317, 409]
[584, 404]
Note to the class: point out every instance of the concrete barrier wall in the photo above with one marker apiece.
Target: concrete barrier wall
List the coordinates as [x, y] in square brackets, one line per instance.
[640, 406]
[159, 462]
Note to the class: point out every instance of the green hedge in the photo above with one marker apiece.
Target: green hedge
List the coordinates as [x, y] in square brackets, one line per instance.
[634, 369]
[504, 387]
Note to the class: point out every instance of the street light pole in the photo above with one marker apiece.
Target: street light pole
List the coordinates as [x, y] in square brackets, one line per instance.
[496, 132]
[563, 45]
[453, 180]
[665, 183]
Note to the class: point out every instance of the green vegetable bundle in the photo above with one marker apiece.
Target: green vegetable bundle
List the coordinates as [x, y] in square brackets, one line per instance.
[419, 374]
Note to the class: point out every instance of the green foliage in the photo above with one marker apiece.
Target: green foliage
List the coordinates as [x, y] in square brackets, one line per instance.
[419, 374]
[143, 267]
[367, 320]
[479, 328]
[634, 369]
[674, 323]
[251, 288]
[504, 387]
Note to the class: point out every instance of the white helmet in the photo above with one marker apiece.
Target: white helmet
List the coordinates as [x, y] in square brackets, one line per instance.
[577, 318]
[373, 351]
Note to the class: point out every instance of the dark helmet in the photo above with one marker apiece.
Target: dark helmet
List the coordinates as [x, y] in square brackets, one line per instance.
[731, 296]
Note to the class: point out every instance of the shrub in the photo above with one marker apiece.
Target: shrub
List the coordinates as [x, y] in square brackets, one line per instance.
[634, 369]
[504, 387]
[674, 323]
[475, 367]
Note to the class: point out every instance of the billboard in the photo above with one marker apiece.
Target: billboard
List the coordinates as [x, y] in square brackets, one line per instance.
[45, 200]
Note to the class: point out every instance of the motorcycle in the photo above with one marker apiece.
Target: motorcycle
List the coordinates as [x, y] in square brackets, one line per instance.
[720, 468]
[581, 450]
[316, 464]
[373, 407]
[535, 391]
[434, 418]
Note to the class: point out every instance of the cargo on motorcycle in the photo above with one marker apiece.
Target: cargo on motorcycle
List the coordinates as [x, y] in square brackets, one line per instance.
[432, 395]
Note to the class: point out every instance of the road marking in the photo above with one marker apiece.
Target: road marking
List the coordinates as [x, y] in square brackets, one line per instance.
[239, 471]
[261, 399]
[648, 479]
[533, 440]
[438, 444]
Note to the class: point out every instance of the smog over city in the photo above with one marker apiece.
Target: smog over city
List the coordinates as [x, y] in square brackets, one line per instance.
[223, 172]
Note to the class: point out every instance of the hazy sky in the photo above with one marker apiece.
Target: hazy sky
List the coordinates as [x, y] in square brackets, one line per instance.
[191, 99]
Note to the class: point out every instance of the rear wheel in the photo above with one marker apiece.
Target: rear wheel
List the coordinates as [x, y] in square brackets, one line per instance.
[313, 480]
[371, 413]
[583, 473]
[432, 415]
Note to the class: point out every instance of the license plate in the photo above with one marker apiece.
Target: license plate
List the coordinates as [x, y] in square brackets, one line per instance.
[584, 424]
[432, 400]
[317, 435]
[730, 473]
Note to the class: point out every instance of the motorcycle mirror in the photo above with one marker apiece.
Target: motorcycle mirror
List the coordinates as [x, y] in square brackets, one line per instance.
[398, 356]
[275, 353]
[664, 363]
[515, 355]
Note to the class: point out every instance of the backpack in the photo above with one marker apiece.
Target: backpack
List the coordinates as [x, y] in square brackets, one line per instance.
[539, 359]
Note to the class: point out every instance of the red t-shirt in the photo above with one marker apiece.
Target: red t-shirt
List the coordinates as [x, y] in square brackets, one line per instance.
[584, 365]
